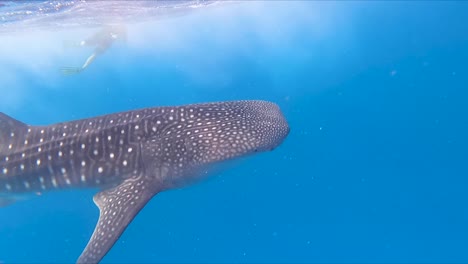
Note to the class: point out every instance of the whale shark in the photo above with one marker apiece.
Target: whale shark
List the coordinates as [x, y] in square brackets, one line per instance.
[132, 156]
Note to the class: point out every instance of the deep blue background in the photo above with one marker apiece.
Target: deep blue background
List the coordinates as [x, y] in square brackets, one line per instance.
[375, 168]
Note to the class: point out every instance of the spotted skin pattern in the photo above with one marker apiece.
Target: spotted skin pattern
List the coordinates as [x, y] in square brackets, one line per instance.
[132, 156]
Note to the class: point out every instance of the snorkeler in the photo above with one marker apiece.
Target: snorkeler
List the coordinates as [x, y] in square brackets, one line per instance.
[101, 40]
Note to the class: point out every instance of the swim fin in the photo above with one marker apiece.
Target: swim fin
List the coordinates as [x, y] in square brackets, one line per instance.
[70, 70]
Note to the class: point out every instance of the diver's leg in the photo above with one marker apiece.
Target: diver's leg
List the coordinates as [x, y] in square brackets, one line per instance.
[99, 50]
[75, 70]
[89, 60]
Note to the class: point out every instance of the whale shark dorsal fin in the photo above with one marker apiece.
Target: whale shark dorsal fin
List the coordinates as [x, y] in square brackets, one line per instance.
[117, 208]
[9, 129]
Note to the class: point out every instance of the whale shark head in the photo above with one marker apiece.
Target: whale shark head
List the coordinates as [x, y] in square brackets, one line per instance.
[197, 136]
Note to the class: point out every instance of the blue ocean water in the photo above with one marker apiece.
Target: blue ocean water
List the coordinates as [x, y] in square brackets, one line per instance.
[374, 169]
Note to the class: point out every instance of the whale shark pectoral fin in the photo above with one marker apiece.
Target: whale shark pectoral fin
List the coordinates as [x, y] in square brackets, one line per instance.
[117, 208]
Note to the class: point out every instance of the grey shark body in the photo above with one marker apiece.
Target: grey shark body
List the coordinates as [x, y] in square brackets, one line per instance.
[131, 156]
